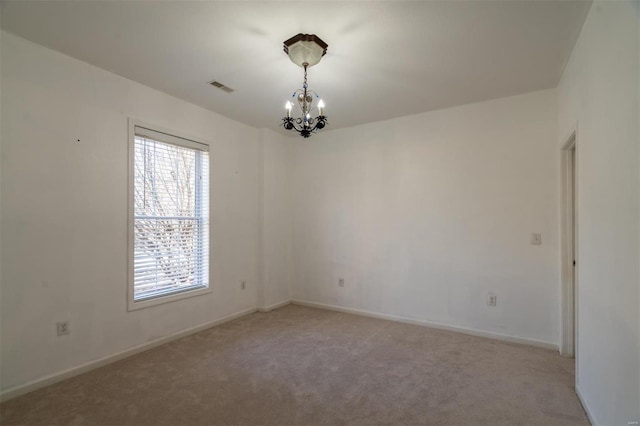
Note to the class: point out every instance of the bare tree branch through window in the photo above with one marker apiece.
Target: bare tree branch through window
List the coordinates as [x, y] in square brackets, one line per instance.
[170, 218]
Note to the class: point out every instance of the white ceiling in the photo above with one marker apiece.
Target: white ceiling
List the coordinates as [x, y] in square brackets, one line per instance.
[385, 59]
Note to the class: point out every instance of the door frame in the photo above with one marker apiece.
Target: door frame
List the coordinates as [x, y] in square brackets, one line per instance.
[569, 244]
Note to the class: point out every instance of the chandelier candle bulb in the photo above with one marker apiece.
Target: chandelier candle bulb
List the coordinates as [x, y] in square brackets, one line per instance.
[321, 107]
[288, 106]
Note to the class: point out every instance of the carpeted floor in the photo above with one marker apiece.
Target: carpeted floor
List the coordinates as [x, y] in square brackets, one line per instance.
[305, 366]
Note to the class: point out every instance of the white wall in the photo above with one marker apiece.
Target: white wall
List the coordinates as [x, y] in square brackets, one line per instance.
[64, 212]
[276, 242]
[423, 216]
[599, 91]
[0, 210]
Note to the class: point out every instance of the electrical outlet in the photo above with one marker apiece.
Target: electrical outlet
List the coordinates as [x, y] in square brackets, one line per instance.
[492, 299]
[341, 282]
[63, 328]
[243, 285]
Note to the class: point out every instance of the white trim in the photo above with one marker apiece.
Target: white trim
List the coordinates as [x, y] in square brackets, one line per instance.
[197, 139]
[171, 297]
[261, 228]
[169, 137]
[585, 406]
[202, 145]
[274, 306]
[425, 323]
[130, 209]
[569, 238]
[92, 365]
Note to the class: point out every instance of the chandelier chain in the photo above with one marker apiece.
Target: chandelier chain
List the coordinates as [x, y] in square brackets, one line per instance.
[305, 107]
[305, 76]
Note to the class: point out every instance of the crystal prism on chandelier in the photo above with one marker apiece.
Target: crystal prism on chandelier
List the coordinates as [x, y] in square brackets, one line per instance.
[305, 50]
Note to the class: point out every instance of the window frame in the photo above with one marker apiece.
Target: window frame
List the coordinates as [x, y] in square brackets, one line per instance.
[132, 304]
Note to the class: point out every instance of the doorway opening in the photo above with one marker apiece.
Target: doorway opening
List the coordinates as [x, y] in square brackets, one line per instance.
[569, 296]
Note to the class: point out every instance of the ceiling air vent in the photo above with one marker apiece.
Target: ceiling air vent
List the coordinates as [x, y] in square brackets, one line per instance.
[221, 86]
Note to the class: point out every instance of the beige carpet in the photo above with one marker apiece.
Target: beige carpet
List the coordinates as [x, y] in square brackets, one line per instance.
[304, 366]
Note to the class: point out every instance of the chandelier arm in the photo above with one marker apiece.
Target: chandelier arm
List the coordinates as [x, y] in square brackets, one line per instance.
[303, 128]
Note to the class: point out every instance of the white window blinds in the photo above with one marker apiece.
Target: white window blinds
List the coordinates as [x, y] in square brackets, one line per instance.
[171, 215]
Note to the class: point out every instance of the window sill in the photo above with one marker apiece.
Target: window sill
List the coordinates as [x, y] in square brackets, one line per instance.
[134, 306]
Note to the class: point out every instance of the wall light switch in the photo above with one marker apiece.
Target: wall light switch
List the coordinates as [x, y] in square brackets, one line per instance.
[536, 239]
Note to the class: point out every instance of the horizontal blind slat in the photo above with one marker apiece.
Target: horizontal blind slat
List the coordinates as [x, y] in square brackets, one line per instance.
[171, 217]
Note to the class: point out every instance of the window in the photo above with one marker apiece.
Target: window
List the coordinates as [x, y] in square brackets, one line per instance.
[169, 217]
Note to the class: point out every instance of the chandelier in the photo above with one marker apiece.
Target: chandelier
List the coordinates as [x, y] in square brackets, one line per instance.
[305, 50]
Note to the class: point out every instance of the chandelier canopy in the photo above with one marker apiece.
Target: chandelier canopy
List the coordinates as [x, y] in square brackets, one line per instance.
[305, 50]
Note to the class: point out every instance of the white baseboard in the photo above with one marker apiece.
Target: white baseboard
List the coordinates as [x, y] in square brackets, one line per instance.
[425, 323]
[92, 365]
[584, 405]
[274, 306]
